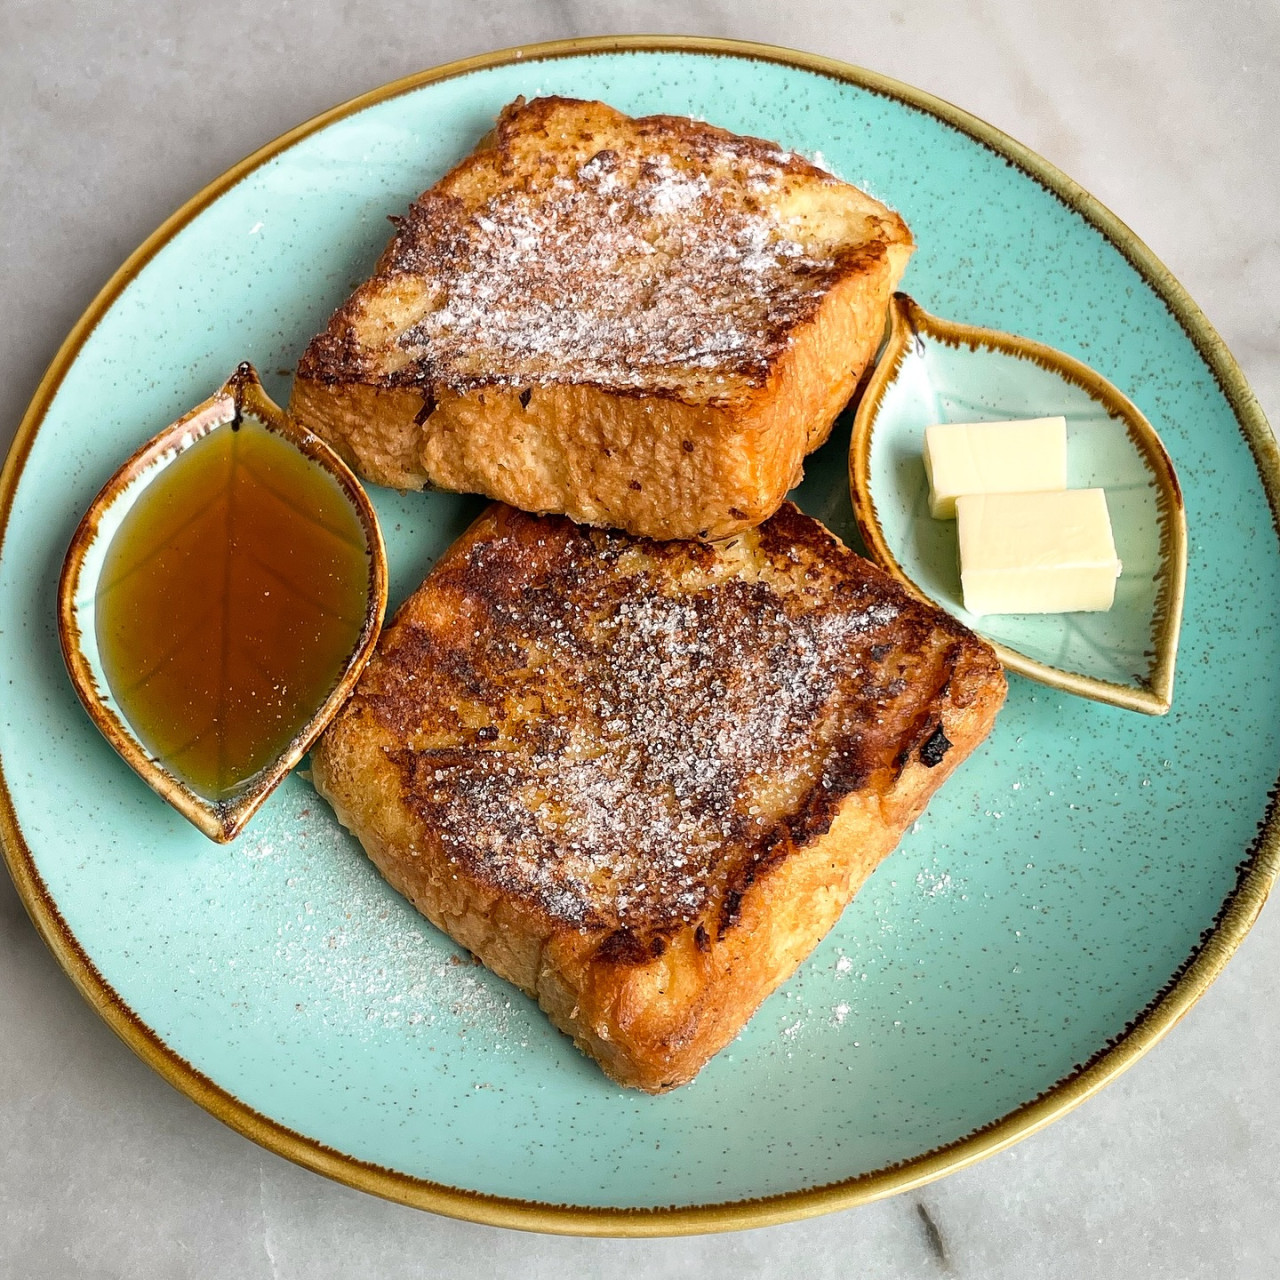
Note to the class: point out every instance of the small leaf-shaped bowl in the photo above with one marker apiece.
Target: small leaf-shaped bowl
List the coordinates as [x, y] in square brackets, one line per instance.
[932, 371]
[220, 815]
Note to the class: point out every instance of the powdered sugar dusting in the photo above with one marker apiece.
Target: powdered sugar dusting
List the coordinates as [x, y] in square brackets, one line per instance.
[353, 952]
[624, 731]
[934, 884]
[636, 269]
[636, 817]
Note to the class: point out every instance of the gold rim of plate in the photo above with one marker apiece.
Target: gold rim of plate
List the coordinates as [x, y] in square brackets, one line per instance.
[907, 319]
[242, 393]
[1238, 914]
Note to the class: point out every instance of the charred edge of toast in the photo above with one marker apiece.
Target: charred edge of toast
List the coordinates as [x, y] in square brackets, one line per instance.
[963, 667]
[699, 140]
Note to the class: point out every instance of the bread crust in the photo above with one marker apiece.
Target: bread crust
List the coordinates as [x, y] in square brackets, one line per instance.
[673, 394]
[640, 780]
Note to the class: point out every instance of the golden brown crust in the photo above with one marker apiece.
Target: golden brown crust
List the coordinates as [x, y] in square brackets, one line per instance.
[642, 779]
[574, 304]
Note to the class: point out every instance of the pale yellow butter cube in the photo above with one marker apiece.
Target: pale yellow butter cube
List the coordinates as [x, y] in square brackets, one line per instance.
[1036, 552]
[1022, 456]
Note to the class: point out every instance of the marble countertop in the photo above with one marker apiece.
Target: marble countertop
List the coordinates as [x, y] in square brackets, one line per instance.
[112, 117]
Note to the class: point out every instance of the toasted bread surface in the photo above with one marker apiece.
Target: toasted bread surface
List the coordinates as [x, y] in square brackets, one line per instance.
[641, 780]
[642, 323]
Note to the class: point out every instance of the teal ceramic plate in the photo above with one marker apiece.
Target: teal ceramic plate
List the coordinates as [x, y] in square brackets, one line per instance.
[1065, 898]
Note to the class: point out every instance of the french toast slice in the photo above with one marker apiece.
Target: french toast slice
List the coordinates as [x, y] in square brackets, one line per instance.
[642, 779]
[641, 323]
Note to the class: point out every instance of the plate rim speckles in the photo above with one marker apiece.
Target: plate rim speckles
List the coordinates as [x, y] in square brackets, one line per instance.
[1257, 872]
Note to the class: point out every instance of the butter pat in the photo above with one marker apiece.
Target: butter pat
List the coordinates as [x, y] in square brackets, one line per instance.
[1036, 552]
[1024, 456]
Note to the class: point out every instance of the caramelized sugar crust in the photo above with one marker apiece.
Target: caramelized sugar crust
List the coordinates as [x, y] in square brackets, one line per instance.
[658, 255]
[620, 735]
[644, 324]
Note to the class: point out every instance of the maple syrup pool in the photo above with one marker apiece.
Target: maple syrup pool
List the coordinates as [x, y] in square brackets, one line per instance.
[231, 598]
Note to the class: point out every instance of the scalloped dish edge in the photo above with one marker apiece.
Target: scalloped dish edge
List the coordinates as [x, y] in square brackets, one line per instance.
[906, 321]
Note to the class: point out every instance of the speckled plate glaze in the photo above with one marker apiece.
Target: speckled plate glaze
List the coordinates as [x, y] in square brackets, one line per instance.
[1065, 898]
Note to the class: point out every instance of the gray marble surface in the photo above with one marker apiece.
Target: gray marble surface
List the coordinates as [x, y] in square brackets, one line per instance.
[112, 115]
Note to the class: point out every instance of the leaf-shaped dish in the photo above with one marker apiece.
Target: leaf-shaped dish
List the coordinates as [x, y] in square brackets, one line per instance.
[933, 370]
[298, 661]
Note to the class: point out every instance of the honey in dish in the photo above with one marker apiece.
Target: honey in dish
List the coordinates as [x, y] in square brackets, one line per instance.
[230, 599]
